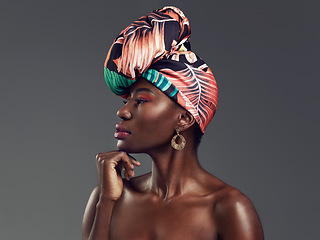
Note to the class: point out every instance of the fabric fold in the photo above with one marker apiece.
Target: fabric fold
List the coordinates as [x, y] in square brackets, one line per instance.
[157, 48]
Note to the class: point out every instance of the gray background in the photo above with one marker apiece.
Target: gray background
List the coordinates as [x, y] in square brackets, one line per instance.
[57, 113]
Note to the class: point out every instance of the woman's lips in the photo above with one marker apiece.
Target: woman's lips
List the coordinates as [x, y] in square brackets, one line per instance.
[121, 132]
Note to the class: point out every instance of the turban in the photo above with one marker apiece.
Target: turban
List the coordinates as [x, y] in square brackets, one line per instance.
[157, 48]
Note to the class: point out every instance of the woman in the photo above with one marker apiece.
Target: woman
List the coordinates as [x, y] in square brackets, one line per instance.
[171, 97]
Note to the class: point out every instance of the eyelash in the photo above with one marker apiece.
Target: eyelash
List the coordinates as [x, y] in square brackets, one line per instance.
[138, 101]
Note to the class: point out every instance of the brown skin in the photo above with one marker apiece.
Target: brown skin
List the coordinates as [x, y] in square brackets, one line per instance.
[178, 199]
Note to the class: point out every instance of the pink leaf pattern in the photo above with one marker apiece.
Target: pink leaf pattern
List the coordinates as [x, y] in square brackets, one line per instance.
[157, 47]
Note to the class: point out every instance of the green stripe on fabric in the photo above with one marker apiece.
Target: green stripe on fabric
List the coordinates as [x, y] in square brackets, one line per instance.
[150, 75]
[162, 83]
[155, 77]
[168, 84]
[174, 92]
[158, 82]
[117, 83]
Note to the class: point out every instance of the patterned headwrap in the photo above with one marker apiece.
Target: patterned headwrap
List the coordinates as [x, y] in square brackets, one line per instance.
[156, 47]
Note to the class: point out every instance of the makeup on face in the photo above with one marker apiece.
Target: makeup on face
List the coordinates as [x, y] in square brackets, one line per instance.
[143, 98]
[147, 110]
[121, 132]
[142, 95]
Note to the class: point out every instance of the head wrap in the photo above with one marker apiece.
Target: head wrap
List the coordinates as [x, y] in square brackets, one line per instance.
[156, 47]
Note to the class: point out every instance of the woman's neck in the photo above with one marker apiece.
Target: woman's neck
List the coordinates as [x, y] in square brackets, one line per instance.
[175, 172]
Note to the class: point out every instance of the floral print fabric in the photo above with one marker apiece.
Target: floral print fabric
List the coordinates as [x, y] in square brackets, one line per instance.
[157, 48]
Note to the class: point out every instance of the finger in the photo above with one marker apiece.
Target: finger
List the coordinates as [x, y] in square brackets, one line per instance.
[99, 157]
[119, 168]
[112, 158]
[118, 160]
[129, 163]
[101, 172]
[128, 168]
[98, 161]
[133, 160]
[130, 173]
[126, 176]
[128, 160]
[98, 164]
[117, 156]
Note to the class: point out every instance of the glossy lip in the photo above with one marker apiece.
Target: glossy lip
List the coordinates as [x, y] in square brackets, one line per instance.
[121, 132]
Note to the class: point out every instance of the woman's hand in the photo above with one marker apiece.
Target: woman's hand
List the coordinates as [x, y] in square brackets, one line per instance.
[109, 167]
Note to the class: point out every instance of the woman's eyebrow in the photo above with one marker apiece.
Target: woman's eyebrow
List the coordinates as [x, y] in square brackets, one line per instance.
[144, 90]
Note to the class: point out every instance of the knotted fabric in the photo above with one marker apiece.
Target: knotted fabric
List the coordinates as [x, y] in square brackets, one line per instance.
[157, 48]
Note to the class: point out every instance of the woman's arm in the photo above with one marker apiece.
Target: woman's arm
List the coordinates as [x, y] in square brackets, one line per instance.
[97, 216]
[90, 213]
[236, 218]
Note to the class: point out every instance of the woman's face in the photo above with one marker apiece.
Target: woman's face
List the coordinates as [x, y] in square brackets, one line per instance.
[148, 119]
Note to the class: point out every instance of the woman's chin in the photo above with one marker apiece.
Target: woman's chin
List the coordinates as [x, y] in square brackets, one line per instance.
[124, 147]
[128, 149]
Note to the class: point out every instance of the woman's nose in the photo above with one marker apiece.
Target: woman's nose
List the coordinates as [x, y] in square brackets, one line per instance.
[124, 113]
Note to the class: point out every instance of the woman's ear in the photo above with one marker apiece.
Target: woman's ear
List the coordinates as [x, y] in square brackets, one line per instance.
[185, 120]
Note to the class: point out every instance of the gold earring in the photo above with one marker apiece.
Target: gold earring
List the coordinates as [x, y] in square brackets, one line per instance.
[176, 145]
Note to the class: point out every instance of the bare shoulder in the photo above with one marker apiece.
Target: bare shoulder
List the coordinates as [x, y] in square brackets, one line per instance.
[224, 194]
[229, 196]
[235, 215]
[138, 184]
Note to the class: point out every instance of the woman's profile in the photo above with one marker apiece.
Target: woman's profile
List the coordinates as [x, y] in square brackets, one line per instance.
[170, 97]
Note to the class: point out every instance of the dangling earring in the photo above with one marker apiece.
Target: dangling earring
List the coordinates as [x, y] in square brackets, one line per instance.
[178, 146]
